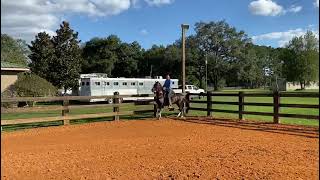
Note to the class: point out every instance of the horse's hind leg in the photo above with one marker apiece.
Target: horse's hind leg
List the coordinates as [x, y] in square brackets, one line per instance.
[182, 110]
[179, 114]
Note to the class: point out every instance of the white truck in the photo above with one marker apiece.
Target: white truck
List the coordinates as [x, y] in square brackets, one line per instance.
[190, 89]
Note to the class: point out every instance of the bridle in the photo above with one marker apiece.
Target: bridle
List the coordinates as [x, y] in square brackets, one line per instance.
[157, 89]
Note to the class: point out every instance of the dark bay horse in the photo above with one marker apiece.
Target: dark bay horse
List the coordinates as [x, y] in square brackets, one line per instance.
[161, 101]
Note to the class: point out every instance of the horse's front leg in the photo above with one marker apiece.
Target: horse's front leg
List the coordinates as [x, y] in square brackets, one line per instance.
[160, 110]
[158, 113]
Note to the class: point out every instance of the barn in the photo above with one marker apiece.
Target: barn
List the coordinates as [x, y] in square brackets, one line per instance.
[284, 85]
[9, 73]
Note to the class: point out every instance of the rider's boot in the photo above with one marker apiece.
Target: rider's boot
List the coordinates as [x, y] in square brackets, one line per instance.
[170, 107]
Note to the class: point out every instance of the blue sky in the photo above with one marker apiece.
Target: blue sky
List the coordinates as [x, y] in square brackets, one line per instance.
[149, 22]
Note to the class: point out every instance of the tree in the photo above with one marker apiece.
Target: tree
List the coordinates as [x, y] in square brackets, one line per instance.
[11, 51]
[195, 65]
[66, 67]
[250, 70]
[128, 56]
[23, 45]
[42, 55]
[100, 54]
[222, 44]
[153, 59]
[301, 59]
[57, 59]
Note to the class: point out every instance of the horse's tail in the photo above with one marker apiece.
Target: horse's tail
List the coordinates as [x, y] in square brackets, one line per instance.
[187, 103]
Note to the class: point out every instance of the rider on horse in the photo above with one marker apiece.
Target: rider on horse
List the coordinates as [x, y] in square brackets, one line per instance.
[168, 89]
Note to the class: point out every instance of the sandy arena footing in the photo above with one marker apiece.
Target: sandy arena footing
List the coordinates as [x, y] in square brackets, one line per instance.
[162, 149]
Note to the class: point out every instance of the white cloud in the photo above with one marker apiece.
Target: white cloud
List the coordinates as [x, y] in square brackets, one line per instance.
[271, 8]
[24, 19]
[316, 3]
[265, 8]
[158, 2]
[282, 38]
[295, 9]
[144, 32]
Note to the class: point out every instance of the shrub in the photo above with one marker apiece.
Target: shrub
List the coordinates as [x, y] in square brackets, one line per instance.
[29, 85]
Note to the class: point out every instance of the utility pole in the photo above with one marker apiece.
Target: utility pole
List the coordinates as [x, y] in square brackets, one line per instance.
[206, 73]
[151, 71]
[184, 27]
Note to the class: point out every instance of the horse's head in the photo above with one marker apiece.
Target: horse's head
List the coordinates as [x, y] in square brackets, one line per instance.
[157, 89]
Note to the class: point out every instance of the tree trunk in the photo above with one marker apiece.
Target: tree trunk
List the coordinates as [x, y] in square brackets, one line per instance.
[215, 84]
[215, 87]
[301, 85]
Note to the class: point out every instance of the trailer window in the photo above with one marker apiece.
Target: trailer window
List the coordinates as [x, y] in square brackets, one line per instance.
[88, 83]
[97, 83]
[133, 84]
[108, 83]
[172, 82]
[124, 83]
[116, 83]
[83, 83]
[141, 84]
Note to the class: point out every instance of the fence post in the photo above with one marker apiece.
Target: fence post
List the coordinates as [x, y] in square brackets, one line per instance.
[276, 101]
[116, 101]
[65, 111]
[209, 103]
[186, 109]
[154, 107]
[241, 107]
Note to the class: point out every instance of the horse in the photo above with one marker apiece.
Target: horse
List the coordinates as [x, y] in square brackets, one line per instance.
[161, 101]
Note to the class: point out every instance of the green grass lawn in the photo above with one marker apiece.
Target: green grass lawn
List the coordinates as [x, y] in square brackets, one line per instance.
[131, 107]
[264, 109]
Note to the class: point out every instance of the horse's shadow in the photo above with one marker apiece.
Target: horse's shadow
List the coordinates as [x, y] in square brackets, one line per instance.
[304, 131]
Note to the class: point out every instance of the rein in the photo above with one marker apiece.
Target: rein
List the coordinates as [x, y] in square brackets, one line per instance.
[159, 91]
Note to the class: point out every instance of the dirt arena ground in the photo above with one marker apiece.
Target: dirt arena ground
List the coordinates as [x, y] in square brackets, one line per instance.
[162, 149]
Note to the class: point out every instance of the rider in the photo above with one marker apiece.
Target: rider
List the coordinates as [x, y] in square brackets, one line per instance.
[168, 89]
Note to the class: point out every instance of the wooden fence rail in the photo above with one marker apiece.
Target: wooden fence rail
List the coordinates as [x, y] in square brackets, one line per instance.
[117, 105]
[66, 107]
[276, 104]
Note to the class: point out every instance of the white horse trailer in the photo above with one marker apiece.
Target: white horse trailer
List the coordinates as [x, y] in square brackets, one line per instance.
[101, 85]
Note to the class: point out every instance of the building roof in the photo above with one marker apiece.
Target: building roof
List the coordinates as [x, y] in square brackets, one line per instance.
[7, 66]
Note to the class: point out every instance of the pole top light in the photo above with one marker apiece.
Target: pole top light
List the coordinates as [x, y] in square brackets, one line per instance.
[185, 26]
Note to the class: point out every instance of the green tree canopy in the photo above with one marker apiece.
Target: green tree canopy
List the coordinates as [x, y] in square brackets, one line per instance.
[301, 59]
[42, 55]
[67, 65]
[128, 56]
[11, 51]
[100, 54]
[57, 59]
[223, 46]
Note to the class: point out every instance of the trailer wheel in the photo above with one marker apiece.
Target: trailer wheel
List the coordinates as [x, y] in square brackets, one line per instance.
[110, 101]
